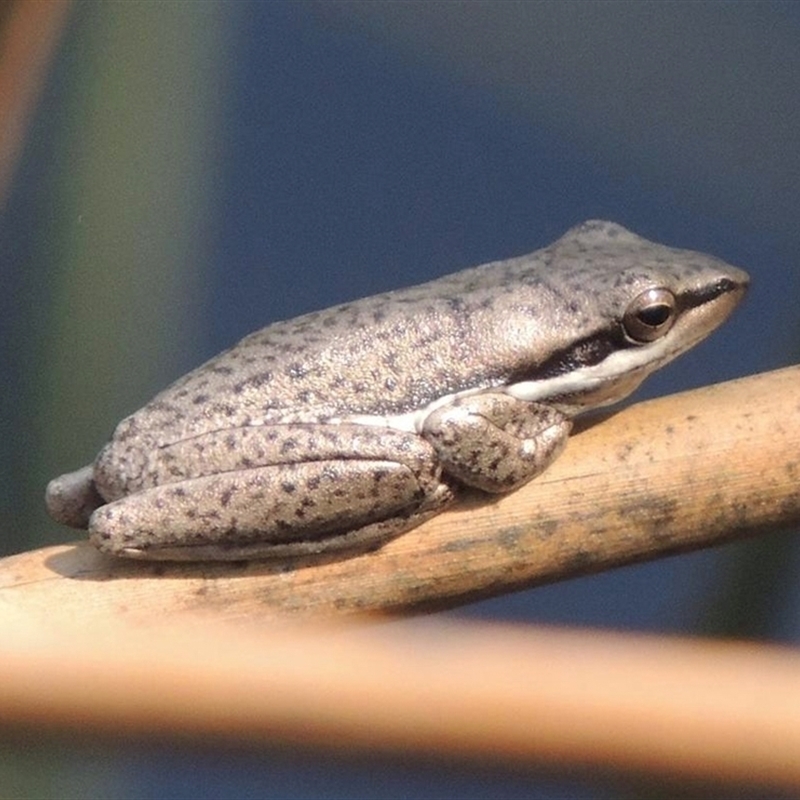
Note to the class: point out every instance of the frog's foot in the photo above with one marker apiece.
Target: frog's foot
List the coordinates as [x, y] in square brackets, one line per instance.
[284, 506]
[71, 498]
[495, 442]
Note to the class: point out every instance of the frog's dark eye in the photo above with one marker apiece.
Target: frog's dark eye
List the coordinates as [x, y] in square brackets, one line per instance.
[650, 315]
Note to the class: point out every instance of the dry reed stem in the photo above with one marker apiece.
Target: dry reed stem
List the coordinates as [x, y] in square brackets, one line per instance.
[28, 37]
[712, 711]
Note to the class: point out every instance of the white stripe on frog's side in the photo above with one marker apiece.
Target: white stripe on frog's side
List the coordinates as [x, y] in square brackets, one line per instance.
[411, 421]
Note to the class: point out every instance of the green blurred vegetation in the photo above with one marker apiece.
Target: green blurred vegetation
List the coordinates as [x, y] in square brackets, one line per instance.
[121, 234]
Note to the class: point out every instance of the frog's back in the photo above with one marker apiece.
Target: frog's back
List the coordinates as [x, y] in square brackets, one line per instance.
[386, 354]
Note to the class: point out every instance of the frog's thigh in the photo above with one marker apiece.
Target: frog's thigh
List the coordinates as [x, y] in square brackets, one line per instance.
[241, 449]
[495, 442]
[278, 510]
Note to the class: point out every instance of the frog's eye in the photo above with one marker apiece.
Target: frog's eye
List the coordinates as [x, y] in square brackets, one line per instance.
[650, 315]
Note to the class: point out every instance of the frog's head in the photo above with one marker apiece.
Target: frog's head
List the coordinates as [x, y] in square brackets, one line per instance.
[646, 304]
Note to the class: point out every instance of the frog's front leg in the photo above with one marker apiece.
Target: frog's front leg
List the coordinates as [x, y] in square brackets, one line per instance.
[494, 442]
[280, 490]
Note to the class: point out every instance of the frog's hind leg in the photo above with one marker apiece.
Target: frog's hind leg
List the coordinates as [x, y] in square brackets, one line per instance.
[267, 511]
[308, 507]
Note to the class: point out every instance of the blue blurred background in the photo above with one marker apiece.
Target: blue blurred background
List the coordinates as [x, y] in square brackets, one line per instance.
[197, 170]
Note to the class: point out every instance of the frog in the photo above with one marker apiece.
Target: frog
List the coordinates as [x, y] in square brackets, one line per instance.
[336, 431]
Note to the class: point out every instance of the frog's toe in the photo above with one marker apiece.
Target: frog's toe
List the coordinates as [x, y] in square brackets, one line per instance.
[71, 498]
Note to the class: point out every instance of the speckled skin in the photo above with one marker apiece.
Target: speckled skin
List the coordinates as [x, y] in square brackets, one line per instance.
[343, 427]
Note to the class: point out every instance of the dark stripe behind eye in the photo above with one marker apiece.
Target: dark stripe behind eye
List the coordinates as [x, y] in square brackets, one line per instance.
[584, 353]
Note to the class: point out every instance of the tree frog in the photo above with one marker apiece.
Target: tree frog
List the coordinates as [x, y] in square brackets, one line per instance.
[342, 428]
